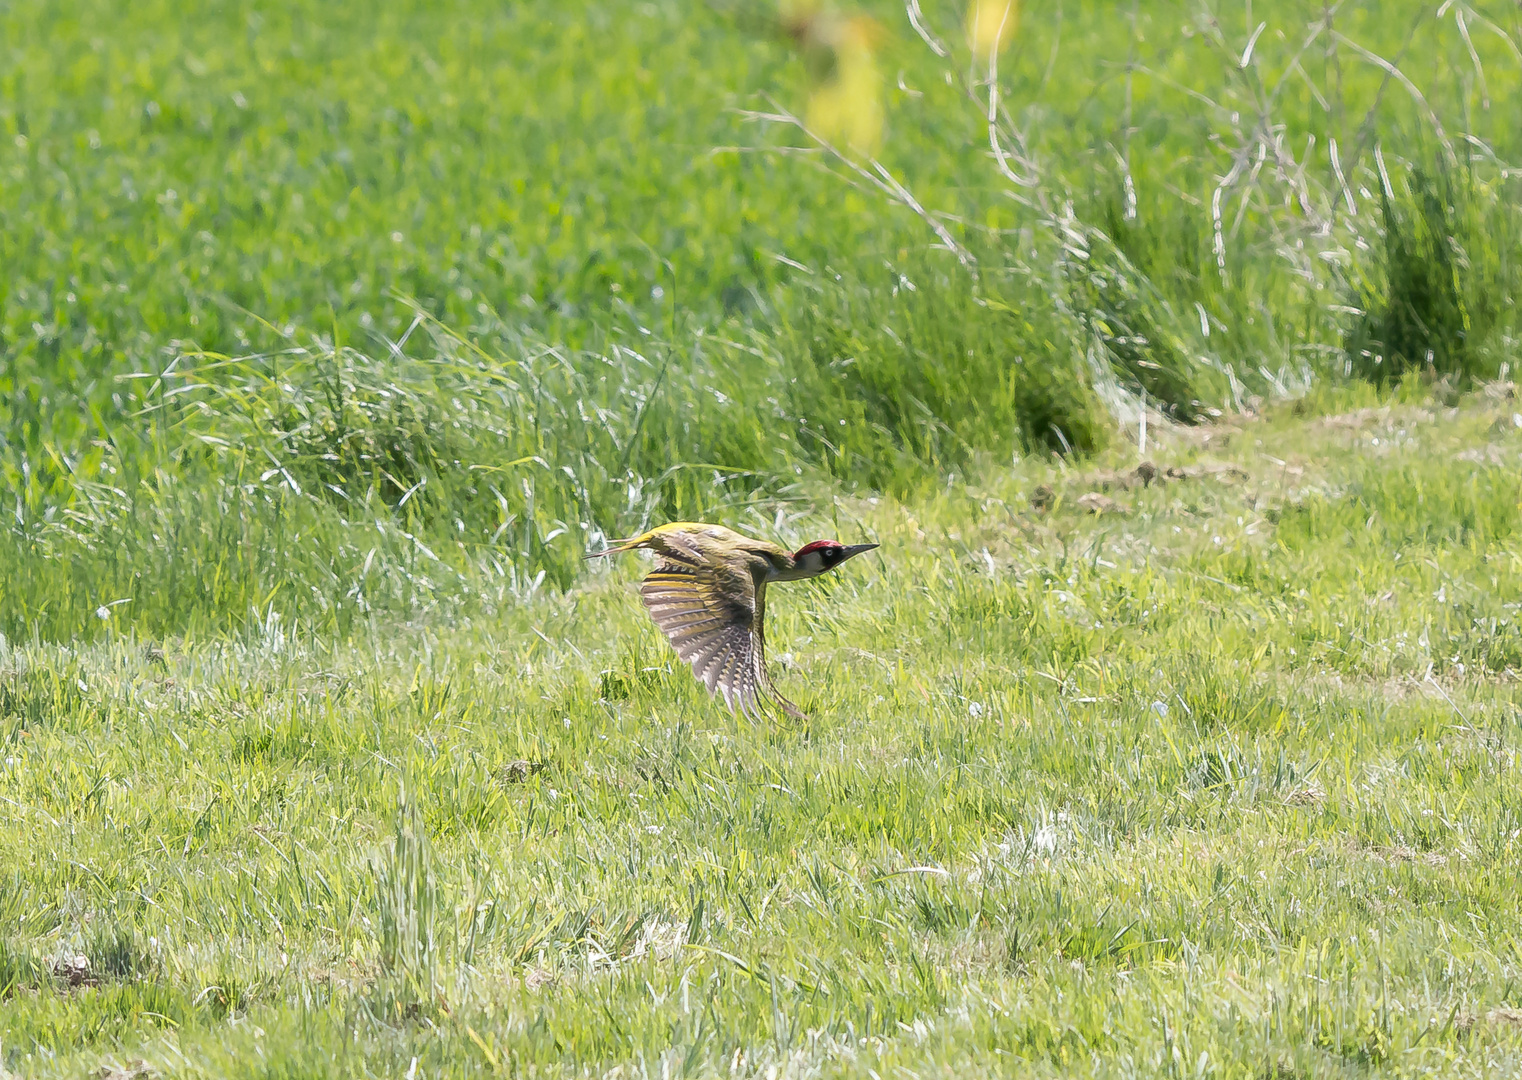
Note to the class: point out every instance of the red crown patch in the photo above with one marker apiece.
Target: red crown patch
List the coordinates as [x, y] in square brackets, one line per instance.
[817, 545]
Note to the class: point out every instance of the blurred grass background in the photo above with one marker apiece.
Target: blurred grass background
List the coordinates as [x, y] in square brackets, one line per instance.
[443, 293]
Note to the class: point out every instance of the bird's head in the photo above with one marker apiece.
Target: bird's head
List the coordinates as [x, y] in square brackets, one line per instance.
[814, 559]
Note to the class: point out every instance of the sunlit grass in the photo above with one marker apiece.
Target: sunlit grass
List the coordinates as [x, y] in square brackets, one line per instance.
[331, 339]
[1219, 776]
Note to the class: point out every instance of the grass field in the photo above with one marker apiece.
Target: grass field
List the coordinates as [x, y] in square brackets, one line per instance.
[331, 338]
[217, 232]
[1216, 782]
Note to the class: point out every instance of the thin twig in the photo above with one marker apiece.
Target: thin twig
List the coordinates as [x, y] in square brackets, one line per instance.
[1347, 192]
[877, 175]
[1500, 33]
[917, 20]
[1474, 57]
[1125, 155]
[1366, 128]
[1380, 61]
[1000, 156]
[1051, 62]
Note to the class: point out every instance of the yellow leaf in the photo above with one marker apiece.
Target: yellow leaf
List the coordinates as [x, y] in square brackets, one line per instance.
[991, 24]
[847, 108]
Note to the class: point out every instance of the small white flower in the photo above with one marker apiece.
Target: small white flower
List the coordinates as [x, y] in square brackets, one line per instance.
[974, 708]
[1161, 708]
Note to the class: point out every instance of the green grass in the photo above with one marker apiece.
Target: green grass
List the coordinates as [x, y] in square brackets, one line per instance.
[218, 231]
[330, 340]
[1216, 783]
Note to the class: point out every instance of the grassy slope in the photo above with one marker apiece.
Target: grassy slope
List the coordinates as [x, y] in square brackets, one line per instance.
[1218, 785]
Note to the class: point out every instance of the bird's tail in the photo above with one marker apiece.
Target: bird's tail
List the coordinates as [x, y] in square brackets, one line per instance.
[788, 707]
[770, 689]
[616, 546]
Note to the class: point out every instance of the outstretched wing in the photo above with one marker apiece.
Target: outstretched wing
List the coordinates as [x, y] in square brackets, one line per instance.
[713, 616]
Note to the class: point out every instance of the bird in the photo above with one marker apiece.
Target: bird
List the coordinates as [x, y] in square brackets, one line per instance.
[707, 594]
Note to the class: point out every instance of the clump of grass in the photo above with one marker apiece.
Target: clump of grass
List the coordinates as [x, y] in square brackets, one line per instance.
[1209, 339]
[900, 378]
[116, 951]
[359, 425]
[18, 969]
[406, 906]
[1440, 284]
[527, 441]
[1124, 318]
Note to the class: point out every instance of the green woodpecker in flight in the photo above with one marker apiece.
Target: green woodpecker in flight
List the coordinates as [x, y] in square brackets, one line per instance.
[707, 593]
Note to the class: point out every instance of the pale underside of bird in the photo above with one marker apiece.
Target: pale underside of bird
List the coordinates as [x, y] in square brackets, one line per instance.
[707, 594]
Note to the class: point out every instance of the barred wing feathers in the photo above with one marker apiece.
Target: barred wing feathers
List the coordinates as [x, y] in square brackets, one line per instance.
[713, 616]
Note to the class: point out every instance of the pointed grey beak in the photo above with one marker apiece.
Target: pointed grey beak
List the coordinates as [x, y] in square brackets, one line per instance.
[853, 550]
